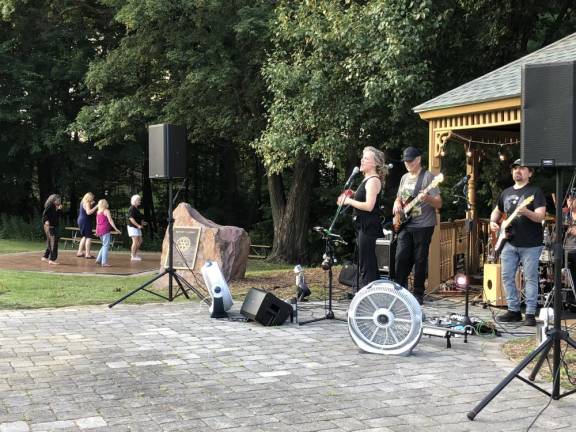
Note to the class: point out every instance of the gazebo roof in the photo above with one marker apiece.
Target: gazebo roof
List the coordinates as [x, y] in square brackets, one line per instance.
[504, 82]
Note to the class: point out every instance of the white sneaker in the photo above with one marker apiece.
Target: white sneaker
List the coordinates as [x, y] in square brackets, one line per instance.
[135, 258]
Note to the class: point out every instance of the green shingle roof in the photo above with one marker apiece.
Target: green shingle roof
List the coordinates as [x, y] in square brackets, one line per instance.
[503, 82]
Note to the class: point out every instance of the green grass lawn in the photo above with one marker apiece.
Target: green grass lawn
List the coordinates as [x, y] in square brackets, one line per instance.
[518, 349]
[23, 290]
[11, 246]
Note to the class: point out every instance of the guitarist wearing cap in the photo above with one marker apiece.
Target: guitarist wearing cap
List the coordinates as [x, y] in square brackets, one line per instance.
[415, 234]
[524, 240]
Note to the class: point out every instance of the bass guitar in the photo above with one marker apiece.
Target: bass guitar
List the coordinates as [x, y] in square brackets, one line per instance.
[503, 234]
[400, 220]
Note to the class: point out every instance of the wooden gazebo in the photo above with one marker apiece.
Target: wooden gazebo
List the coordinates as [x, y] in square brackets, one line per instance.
[487, 109]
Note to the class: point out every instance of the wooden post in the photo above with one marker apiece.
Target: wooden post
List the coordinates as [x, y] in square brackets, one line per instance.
[435, 144]
[472, 213]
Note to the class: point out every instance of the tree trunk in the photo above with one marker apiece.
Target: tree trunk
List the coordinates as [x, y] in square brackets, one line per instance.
[291, 216]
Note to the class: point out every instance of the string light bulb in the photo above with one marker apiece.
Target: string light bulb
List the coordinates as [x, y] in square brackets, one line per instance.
[501, 155]
[469, 153]
[442, 153]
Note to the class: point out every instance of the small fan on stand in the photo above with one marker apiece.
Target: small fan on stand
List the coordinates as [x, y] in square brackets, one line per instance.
[385, 318]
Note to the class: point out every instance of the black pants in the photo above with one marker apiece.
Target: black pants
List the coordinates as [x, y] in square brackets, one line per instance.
[571, 264]
[51, 252]
[412, 251]
[367, 262]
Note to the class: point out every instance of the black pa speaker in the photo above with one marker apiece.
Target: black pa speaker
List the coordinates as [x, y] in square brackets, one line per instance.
[265, 308]
[349, 275]
[548, 114]
[167, 151]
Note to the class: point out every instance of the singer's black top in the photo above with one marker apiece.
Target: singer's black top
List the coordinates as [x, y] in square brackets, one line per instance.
[367, 222]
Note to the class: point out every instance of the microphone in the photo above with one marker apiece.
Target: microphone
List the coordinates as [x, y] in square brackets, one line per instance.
[355, 171]
[462, 182]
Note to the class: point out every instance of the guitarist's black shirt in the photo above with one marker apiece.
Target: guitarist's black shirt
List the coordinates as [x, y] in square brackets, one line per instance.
[368, 222]
[524, 232]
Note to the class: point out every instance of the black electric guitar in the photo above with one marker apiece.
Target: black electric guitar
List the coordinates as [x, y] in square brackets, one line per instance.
[400, 220]
[503, 233]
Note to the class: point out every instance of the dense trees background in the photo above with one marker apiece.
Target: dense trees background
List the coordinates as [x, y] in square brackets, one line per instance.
[278, 97]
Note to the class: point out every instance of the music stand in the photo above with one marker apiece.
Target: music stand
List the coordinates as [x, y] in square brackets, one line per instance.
[553, 336]
[183, 285]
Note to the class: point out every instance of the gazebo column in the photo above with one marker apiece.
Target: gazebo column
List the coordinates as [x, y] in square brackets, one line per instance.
[435, 144]
[472, 213]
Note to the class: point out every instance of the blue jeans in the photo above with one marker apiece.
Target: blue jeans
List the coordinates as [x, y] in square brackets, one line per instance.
[103, 254]
[510, 259]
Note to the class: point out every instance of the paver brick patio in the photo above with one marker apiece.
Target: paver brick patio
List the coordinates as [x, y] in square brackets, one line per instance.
[169, 367]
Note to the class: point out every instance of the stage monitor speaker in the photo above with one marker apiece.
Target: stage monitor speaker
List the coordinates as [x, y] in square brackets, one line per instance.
[493, 292]
[349, 275]
[548, 115]
[265, 308]
[167, 151]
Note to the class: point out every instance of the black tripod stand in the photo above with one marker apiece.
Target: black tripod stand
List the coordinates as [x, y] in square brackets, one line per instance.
[553, 337]
[331, 240]
[183, 285]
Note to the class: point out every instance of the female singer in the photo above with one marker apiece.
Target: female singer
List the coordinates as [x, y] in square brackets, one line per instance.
[366, 204]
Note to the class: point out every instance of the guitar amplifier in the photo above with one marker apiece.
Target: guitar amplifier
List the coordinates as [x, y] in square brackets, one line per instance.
[385, 250]
[493, 292]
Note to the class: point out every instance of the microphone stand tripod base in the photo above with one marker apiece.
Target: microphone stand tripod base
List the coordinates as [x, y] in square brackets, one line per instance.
[327, 266]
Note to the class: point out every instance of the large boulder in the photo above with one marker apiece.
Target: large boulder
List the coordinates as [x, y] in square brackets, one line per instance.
[227, 245]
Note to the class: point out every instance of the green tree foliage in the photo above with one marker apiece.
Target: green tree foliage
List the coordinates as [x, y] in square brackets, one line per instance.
[193, 63]
[277, 97]
[45, 47]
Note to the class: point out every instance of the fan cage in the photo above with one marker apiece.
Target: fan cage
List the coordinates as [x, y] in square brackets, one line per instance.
[385, 318]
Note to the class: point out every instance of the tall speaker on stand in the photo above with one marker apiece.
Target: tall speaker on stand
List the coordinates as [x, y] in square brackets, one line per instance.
[167, 161]
[547, 140]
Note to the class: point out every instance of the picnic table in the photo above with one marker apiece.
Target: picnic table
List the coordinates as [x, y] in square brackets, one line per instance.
[73, 236]
[259, 251]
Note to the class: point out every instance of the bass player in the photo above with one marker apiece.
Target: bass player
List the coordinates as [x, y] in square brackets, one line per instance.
[524, 242]
[414, 239]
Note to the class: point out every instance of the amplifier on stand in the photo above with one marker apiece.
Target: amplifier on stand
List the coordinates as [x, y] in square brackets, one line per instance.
[385, 251]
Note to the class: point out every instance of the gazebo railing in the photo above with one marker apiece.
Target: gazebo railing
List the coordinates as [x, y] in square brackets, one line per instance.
[453, 247]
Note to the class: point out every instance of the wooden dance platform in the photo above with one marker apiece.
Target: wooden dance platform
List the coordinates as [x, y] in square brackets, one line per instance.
[70, 263]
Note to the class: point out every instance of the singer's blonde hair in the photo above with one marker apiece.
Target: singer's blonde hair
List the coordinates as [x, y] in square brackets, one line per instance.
[380, 160]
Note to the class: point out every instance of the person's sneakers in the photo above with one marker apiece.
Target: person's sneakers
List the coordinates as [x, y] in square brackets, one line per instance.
[510, 316]
[530, 320]
[135, 258]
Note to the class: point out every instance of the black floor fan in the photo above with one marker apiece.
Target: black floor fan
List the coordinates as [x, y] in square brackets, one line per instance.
[554, 336]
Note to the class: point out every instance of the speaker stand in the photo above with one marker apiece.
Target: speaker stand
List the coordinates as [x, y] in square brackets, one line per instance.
[183, 285]
[553, 337]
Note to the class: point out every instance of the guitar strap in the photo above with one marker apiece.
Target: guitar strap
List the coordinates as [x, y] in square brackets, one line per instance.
[419, 182]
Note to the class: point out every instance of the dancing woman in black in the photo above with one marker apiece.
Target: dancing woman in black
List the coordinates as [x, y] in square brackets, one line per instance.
[367, 220]
[50, 221]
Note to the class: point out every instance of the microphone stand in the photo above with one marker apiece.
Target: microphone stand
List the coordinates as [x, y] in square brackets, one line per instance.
[468, 225]
[331, 240]
[339, 210]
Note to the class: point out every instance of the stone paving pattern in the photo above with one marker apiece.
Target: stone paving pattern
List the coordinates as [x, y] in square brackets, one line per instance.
[169, 367]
